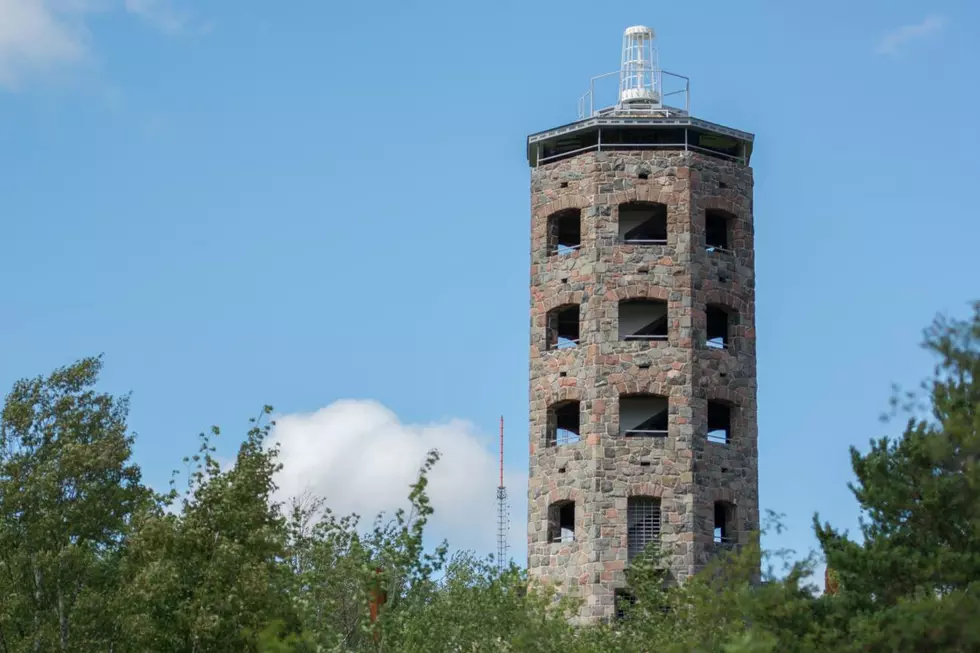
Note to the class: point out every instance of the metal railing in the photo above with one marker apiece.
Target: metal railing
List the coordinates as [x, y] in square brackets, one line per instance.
[725, 543]
[562, 250]
[643, 241]
[600, 146]
[717, 343]
[636, 336]
[718, 436]
[566, 437]
[645, 433]
[563, 343]
[680, 87]
[715, 249]
[564, 537]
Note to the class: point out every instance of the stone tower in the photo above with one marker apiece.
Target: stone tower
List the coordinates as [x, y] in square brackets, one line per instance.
[643, 359]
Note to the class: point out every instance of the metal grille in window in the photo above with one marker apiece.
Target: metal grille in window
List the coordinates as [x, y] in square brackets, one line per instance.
[643, 524]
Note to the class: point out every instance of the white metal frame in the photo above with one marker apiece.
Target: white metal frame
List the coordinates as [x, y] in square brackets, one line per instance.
[637, 73]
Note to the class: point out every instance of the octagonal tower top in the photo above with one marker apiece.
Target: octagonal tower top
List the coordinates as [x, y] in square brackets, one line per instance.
[649, 108]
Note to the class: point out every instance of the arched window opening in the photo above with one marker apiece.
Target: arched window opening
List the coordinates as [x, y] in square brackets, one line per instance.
[719, 422]
[717, 230]
[720, 322]
[563, 327]
[565, 231]
[724, 534]
[561, 522]
[564, 423]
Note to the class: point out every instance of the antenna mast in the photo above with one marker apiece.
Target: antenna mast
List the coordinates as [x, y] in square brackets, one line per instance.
[502, 522]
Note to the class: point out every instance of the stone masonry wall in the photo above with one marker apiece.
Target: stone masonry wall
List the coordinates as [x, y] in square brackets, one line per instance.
[600, 472]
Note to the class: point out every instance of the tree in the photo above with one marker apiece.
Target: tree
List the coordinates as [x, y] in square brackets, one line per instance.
[726, 607]
[429, 604]
[912, 581]
[212, 577]
[68, 492]
[91, 560]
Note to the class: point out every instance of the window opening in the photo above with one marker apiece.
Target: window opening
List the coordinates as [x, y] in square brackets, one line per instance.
[718, 336]
[716, 227]
[643, 319]
[724, 536]
[643, 223]
[564, 423]
[565, 231]
[624, 601]
[719, 422]
[643, 415]
[561, 522]
[563, 327]
[642, 524]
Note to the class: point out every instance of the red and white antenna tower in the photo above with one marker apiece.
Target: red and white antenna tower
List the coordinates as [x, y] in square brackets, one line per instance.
[503, 523]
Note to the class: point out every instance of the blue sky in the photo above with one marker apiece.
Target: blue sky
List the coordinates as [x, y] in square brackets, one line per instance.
[297, 203]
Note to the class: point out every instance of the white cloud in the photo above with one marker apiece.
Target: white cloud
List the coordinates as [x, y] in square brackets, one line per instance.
[162, 14]
[37, 36]
[893, 42]
[360, 458]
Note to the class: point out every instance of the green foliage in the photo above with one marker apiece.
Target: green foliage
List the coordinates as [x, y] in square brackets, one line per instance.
[275, 638]
[207, 578]
[474, 607]
[725, 607]
[917, 568]
[431, 604]
[68, 492]
[92, 560]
